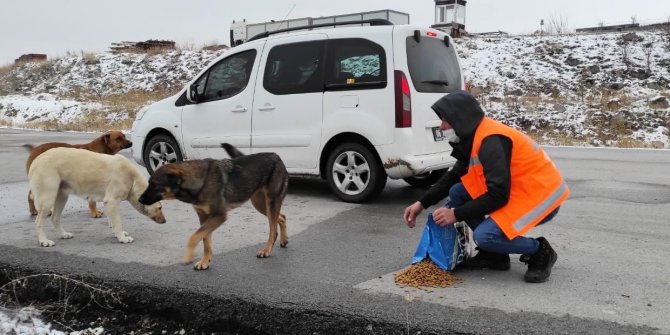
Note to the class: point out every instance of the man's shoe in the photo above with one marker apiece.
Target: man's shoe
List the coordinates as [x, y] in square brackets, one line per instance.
[540, 264]
[488, 260]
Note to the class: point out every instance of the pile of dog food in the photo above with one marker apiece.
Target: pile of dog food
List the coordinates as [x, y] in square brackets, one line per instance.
[425, 275]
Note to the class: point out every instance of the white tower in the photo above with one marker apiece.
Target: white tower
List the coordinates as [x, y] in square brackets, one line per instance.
[450, 16]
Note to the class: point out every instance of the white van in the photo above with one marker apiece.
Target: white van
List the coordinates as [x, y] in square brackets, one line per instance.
[350, 104]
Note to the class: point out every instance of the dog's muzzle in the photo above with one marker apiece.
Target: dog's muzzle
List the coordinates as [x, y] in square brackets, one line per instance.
[160, 219]
[128, 145]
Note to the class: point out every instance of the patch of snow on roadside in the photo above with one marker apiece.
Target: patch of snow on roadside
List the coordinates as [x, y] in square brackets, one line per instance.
[26, 321]
[19, 109]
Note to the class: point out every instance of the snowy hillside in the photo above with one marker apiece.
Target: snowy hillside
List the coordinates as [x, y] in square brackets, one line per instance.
[576, 88]
[600, 89]
[105, 74]
[109, 87]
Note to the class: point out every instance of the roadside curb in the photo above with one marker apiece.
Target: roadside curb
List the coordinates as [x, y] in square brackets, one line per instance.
[177, 308]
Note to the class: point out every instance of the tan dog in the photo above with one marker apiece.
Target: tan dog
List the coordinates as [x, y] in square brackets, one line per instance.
[109, 143]
[59, 172]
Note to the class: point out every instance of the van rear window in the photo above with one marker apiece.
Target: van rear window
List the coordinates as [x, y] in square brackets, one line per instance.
[433, 66]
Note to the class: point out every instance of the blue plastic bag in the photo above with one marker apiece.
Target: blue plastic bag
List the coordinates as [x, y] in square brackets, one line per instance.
[440, 244]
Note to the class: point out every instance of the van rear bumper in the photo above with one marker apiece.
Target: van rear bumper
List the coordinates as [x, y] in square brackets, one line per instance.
[412, 165]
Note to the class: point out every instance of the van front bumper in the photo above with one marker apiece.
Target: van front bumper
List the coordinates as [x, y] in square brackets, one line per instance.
[136, 149]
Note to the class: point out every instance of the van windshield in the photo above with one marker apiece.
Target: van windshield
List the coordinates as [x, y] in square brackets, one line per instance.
[433, 66]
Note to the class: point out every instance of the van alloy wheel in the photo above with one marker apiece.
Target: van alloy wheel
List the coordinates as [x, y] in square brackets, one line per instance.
[354, 173]
[161, 150]
[351, 173]
[160, 154]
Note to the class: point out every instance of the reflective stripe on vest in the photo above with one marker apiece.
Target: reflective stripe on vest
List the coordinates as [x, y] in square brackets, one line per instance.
[537, 187]
[542, 208]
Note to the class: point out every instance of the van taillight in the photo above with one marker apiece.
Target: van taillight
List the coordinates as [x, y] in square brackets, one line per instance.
[403, 101]
[466, 87]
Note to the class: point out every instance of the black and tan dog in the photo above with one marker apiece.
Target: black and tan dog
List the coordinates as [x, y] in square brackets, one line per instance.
[214, 187]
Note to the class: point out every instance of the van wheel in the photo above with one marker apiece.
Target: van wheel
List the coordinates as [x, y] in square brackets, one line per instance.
[160, 150]
[425, 179]
[354, 173]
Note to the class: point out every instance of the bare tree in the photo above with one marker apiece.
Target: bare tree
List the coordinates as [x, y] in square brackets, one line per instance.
[648, 50]
[558, 24]
[633, 19]
[625, 54]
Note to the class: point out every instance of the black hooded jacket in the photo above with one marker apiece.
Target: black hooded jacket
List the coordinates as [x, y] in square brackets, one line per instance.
[462, 111]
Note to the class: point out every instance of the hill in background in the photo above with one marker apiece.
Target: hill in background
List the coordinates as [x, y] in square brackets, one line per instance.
[601, 89]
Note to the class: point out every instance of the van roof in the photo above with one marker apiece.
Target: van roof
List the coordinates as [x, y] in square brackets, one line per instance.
[371, 22]
[349, 28]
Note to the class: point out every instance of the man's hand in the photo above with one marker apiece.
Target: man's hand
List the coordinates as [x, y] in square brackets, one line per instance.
[411, 212]
[444, 216]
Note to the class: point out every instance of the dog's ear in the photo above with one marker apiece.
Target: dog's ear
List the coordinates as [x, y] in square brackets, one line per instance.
[174, 179]
[106, 138]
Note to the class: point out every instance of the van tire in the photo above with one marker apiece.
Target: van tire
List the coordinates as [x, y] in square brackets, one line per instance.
[160, 150]
[360, 175]
[425, 179]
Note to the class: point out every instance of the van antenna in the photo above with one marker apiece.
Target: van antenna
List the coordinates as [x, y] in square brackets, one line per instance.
[286, 17]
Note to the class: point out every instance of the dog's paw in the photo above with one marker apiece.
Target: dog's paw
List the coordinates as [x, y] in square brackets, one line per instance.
[187, 259]
[283, 244]
[47, 243]
[263, 254]
[201, 265]
[97, 214]
[66, 236]
[125, 238]
[33, 212]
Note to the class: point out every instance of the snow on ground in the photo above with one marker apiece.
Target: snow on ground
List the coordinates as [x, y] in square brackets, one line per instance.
[107, 74]
[44, 91]
[516, 62]
[26, 321]
[576, 89]
[576, 85]
[43, 106]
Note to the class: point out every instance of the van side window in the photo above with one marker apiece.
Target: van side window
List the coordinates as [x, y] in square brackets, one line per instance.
[228, 77]
[295, 68]
[355, 63]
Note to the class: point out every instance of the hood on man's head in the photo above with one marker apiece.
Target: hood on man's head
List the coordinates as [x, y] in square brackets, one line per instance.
[461, 110]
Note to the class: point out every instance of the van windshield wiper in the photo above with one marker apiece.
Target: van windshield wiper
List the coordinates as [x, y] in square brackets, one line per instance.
[437, 82]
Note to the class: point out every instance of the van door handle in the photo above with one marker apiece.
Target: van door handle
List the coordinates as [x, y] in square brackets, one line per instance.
[266, 108]
[239, 109]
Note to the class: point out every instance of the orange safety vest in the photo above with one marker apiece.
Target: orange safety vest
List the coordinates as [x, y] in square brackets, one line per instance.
[537, 187]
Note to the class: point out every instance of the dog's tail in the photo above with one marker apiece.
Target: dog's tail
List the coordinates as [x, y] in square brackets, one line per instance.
[28, 146]
[231, 150]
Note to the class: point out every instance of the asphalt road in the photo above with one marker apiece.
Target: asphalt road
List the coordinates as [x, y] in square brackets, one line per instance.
[611, 235]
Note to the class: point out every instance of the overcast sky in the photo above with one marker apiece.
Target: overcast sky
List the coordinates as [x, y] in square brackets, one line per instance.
[57, 26]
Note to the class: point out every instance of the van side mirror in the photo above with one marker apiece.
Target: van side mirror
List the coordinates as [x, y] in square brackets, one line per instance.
[192, 94]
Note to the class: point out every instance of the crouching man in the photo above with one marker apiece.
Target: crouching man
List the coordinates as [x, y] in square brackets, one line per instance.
[502, 185]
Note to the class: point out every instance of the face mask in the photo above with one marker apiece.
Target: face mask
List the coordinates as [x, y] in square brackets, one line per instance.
[451, 136]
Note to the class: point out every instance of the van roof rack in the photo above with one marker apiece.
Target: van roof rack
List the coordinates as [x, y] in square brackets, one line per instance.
[372, 22]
